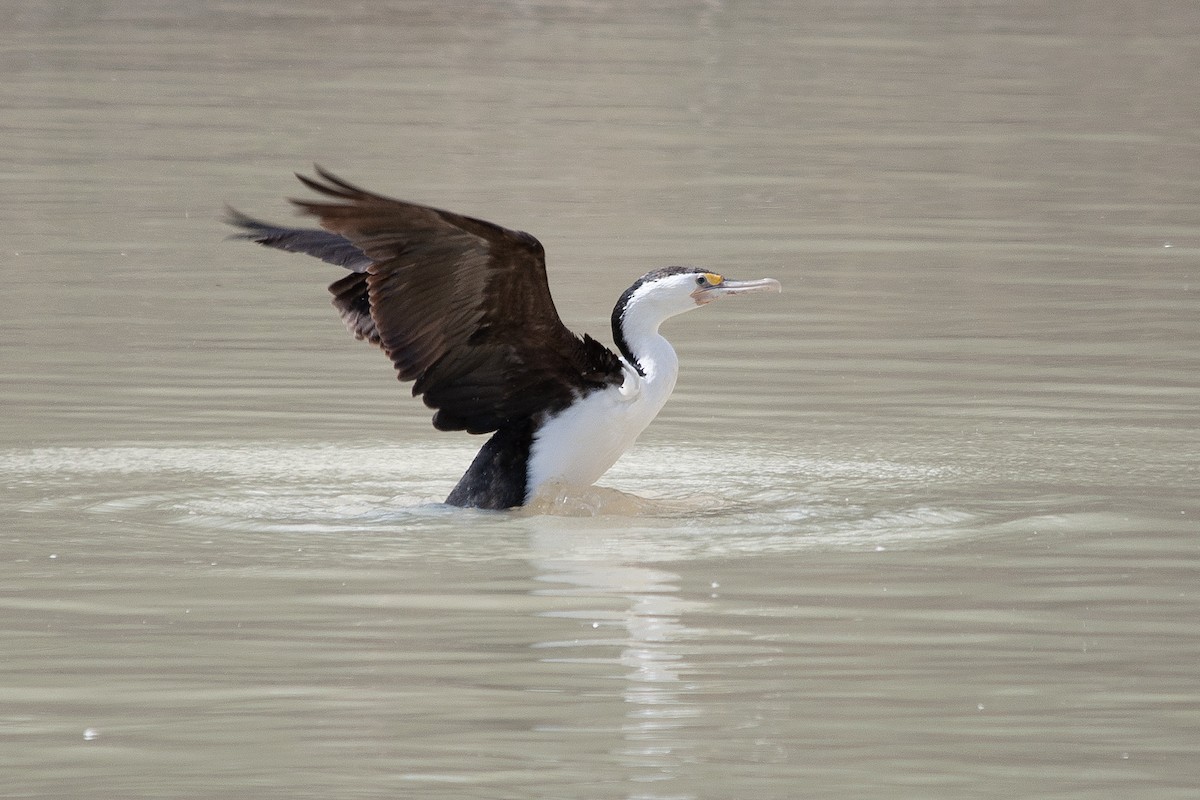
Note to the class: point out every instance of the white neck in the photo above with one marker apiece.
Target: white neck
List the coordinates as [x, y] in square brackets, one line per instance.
[578, 445]
[655, 357]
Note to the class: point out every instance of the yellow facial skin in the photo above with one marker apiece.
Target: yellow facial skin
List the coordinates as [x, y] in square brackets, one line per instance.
[703, 296]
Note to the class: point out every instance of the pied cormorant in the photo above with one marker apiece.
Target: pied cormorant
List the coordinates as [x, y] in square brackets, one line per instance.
[463, 309]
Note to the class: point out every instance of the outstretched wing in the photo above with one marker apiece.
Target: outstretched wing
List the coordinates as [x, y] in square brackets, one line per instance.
[323, 245]
[461, 306]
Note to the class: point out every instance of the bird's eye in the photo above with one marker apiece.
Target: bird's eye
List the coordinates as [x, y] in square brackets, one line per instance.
[701, 280]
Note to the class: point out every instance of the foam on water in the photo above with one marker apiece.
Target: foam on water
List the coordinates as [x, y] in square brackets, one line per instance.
[748, 501]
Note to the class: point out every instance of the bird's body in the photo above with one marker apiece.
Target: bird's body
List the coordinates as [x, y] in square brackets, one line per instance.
[463, 309]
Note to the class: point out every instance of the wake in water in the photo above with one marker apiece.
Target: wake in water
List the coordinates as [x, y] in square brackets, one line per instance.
[784, 503]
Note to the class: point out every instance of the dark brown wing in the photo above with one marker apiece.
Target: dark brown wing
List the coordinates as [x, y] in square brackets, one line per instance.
[461, 306]
[349, 294]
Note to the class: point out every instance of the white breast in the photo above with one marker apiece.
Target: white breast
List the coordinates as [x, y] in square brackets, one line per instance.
[579, 444]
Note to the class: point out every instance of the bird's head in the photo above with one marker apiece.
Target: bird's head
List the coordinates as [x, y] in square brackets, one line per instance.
[666, 292]
[663, 293]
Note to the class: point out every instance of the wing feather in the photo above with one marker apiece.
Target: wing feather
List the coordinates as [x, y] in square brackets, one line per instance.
[461, 306]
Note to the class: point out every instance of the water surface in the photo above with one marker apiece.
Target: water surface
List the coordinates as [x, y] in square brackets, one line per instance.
[922, 526]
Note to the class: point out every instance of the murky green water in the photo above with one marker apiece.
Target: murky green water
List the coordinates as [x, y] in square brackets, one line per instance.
[923, 526]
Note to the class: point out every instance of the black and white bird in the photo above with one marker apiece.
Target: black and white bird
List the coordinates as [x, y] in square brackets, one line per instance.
[463, 309]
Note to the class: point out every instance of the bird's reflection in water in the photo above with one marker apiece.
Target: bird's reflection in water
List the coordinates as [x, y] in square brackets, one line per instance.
[655, 744]
[655, 689]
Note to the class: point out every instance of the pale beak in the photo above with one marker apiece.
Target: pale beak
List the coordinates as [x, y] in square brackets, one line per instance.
[746, 287]
[706, 294]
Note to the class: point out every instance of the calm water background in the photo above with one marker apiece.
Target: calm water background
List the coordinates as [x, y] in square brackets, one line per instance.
[925, 526]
